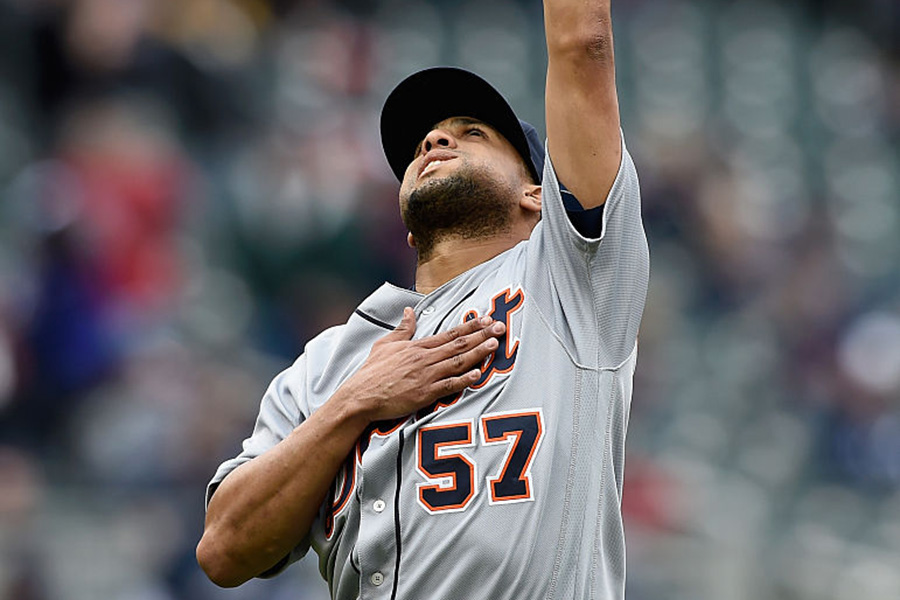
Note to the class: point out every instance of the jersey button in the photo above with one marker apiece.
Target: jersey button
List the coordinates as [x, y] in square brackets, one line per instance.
[376, 578]
[428, 310]
[378, 506]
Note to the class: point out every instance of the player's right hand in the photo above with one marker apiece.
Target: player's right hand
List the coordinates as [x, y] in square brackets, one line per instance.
[402, 375]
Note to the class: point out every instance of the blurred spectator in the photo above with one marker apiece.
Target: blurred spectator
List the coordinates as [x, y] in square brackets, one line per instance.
[191, 189]
[22, 576]
[106, 210]
[91, 49]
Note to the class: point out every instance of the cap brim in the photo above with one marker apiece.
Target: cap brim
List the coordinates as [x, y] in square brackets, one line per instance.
[428, 97]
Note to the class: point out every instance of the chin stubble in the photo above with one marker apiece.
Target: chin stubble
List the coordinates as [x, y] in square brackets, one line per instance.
[469, 204]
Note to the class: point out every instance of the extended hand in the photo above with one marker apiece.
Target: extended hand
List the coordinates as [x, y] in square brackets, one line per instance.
[403, 375]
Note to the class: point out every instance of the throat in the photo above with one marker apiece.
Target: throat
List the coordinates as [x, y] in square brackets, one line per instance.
[451, 257]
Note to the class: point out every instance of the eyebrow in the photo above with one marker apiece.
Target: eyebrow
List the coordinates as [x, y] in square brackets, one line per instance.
[454, 122]
[462, 121]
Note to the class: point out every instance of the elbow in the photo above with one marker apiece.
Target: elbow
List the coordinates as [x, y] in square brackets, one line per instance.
[591, 41]
[215, 563]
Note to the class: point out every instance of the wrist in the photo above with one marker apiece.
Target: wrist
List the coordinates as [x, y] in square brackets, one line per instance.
[349, 409]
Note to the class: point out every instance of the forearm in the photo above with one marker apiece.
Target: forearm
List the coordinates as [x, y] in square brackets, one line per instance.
[581, 101]
[265, 507]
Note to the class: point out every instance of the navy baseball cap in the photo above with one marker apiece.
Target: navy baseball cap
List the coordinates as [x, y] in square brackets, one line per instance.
[427, 97]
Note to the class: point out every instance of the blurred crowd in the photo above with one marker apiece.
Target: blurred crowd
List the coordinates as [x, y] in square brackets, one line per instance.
[192, 189]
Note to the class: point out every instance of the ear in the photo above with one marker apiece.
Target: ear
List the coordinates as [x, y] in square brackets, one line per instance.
[410, 240]
[531, 199]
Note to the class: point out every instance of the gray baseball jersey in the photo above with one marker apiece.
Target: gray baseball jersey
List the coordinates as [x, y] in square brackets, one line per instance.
[512, 488]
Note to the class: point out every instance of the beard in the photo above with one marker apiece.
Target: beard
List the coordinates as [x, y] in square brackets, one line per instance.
[468, 204]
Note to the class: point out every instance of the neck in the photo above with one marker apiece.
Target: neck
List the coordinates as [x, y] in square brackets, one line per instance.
[453, 256]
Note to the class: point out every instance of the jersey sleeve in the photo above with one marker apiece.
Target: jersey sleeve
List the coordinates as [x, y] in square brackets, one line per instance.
[592, 289]
[282, 409]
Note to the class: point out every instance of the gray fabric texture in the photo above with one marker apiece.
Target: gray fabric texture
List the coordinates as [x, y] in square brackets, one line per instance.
[545, 526]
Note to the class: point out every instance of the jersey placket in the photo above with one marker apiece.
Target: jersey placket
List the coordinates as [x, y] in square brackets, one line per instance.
[376, 545]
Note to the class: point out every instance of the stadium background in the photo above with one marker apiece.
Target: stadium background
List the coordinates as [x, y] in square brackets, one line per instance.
[190, 189]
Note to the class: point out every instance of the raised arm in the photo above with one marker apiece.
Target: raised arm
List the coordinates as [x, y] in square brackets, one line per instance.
[581, 103]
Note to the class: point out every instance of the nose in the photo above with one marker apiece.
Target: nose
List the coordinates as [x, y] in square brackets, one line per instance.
[438, 138]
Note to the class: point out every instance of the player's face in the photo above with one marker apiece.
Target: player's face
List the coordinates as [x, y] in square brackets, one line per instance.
[461, 143]
[466, 181]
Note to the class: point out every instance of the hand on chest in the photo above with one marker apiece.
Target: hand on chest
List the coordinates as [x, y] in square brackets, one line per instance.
[505, 306]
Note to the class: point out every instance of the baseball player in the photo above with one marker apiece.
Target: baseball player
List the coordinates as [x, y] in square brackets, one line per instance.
[465, 440]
